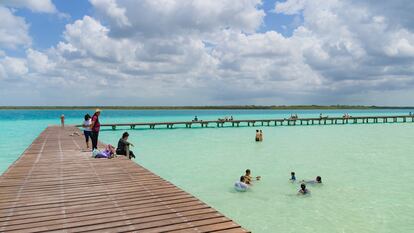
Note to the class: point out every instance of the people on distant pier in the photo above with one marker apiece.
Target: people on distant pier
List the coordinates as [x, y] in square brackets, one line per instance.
[248, 179]
[195, 118]
[95, 127]
[123, 146]
[231, 118]
[62, 120]
[87, 129]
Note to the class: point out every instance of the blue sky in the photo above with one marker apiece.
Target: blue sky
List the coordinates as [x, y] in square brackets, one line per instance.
[154, 52]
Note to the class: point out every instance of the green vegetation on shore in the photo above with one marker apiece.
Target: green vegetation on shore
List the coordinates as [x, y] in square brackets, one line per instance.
[231, 107]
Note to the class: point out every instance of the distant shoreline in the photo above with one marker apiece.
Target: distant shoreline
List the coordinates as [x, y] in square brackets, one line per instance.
[228, 107]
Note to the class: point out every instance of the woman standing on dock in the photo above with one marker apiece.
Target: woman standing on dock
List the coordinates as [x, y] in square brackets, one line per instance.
[95, 127]
[87, 129]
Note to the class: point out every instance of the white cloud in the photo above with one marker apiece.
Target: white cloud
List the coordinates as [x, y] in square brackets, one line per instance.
[38, 61]
[291, 7]
[111, 9]
[210, 52]
[45, 6]
[160, 17]
[13, 67]
[13, 30]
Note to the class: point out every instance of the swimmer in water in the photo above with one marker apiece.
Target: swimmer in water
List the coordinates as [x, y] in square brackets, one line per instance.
[248, 178]
[257, 135]
[303, 190]
[318, 180]
[241, 185]
[293, 177]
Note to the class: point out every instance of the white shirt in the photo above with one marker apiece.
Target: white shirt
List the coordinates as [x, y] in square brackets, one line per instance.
[87, 124]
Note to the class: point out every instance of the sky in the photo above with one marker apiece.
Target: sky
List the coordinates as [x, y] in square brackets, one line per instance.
[197, 52]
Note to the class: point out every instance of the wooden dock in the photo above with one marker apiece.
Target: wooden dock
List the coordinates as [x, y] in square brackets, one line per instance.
[55, 187]
[269, 122]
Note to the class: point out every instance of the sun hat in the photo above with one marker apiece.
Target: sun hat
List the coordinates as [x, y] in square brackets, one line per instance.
[98, 110]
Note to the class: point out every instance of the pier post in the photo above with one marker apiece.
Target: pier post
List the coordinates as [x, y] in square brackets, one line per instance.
[404, 120]
[113, 127]
[395, 119]
[262, 123]
[132, 126]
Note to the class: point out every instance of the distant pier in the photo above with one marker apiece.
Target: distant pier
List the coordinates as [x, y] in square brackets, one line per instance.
[268, 122]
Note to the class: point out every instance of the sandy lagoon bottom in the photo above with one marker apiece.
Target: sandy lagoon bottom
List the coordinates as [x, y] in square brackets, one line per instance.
[366, 169]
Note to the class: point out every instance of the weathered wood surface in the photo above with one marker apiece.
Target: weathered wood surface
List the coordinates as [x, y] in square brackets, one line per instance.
[55, 187]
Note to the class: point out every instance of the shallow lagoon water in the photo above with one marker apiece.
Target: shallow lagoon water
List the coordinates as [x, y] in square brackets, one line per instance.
[366, 169]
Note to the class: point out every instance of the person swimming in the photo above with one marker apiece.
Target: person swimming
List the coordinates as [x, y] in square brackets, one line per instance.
[293, 177]
[248, 178]
[303, 190]
[241, 186]
[318, 180]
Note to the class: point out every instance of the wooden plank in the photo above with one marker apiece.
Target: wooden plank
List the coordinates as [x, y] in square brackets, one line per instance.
[55, 187]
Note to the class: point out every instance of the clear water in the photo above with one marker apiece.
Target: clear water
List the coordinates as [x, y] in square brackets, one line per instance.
[366, 169]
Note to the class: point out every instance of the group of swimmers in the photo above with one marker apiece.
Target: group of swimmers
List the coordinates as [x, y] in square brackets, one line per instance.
[246, 181]
[259, 135]
[303, 190]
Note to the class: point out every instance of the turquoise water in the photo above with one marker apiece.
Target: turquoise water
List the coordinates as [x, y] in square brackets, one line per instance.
[366, 169]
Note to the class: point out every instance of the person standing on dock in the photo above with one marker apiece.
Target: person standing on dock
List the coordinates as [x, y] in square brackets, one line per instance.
[62, 120]
[257, 135]
[95, 127]
[87, 129]
[260, 135]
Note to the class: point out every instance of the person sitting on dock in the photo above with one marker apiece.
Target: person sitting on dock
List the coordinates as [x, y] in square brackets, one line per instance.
[241, 185]
[303, 190]
[195, 118]
[248, 179]
[123, 146]
[318, 180]
[292, 177]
